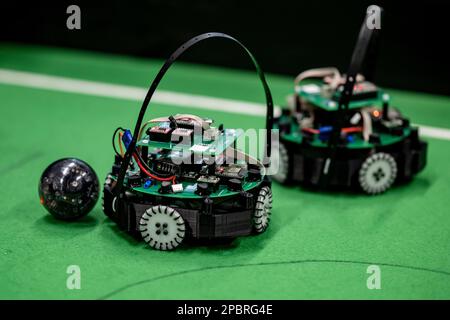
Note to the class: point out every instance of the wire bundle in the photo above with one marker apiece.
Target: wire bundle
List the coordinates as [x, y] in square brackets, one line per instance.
[137, 158]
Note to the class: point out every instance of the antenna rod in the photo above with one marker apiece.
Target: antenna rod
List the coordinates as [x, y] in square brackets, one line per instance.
[365, 41]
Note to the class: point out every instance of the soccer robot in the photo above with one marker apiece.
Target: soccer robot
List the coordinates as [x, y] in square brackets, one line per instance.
[181, 176]
[339, 131]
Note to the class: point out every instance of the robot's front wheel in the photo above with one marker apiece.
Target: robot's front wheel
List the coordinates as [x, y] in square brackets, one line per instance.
[377, 173]
[162, 228]
[263, 209]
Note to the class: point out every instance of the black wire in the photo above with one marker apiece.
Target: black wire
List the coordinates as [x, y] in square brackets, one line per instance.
[160, 75]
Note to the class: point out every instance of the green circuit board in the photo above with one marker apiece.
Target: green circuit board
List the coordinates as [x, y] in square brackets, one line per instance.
[189, 189]
[222, 141]
[312, 93]
[386, 139]
[187, 192]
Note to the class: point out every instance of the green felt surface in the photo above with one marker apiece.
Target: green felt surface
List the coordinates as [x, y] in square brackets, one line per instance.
[319, 245]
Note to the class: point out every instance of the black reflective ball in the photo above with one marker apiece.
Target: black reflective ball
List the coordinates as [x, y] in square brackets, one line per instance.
[69, 189]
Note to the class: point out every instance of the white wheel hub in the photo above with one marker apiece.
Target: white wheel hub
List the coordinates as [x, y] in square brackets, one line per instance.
[162, 228]
[263, 209]
[377, 173]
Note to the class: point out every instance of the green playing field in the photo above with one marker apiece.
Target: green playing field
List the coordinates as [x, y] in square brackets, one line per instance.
[319, 245]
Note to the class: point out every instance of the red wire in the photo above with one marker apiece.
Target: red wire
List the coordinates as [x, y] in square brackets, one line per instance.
[311, 130]
[352, 129]
[142, 167]
[152, 175]
[345, 130]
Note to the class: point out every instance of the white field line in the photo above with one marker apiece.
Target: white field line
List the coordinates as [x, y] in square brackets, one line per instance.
[54, 83]
[102, 89]
[433, 132]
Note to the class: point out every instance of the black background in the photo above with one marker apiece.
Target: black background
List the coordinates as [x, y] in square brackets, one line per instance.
[76, 309]
[286, 36]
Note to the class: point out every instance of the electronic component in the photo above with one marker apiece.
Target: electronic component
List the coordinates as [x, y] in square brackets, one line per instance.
[182, 135]
[159, 133]
[365, 90]
[211, 134]
[126, 138]
[191, 188]
[177, 187]
[199, 148]
[204, 170]
[203, 189]
[208, 167]
[234, 184]
[230, 171]
[166, 187]
[208, 179]
[165, 166]
[190, 176]
[253, 174]
[135, 180]
[361, 91]
[212, 181]
[186, 123]
[325, 132]
[147, 183]
[195, 122]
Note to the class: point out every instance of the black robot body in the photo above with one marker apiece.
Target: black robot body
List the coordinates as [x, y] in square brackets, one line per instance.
[183, 177]
[340, 130]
